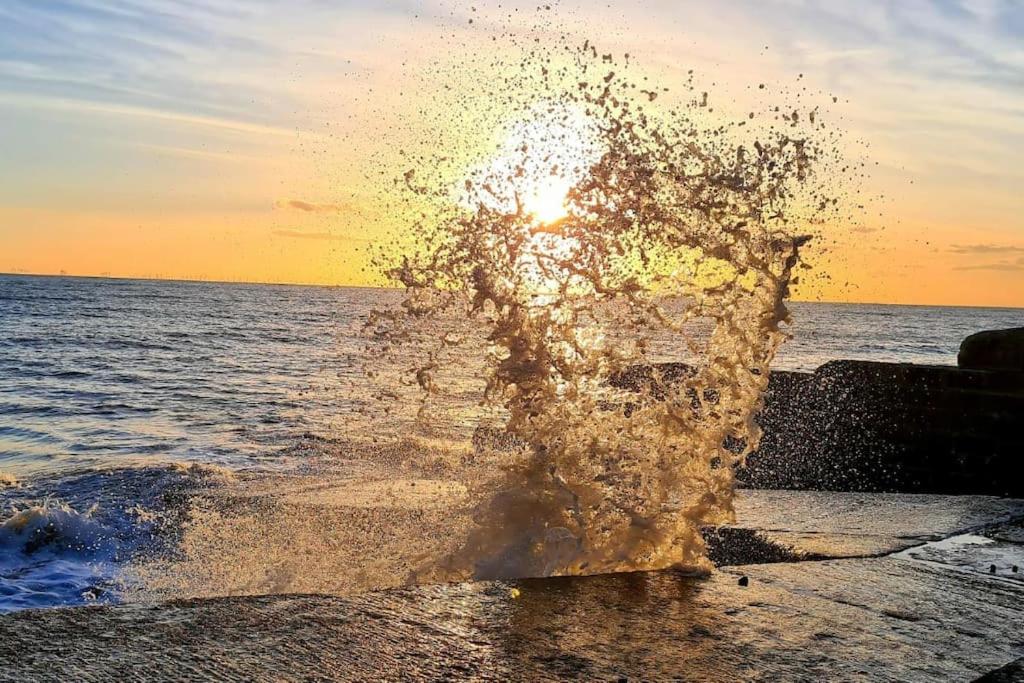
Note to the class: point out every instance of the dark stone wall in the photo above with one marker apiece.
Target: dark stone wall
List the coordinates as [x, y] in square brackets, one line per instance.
[857, 425]
[865, 426]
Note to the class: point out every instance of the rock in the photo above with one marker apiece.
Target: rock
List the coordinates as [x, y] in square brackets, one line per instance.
[744, 581]
[1011, 673]
[993, 350]
[891, 427]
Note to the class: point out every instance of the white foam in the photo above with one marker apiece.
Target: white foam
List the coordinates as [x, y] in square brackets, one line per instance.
[66, 540]
[53, 525]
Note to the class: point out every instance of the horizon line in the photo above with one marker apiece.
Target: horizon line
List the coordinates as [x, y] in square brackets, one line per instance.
[156, 278]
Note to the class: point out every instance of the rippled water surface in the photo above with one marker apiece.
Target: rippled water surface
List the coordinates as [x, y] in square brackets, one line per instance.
[97, 371]
[116, 393]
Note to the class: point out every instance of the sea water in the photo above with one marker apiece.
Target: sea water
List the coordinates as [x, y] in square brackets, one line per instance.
[115, 395]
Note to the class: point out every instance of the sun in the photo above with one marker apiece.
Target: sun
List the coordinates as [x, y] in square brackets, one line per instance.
[547, 204]
[542, 154]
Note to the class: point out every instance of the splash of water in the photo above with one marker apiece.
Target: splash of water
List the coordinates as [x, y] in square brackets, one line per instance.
[599, 223]
[565, 225]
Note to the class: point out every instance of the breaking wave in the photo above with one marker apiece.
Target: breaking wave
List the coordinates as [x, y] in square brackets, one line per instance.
[597, 226]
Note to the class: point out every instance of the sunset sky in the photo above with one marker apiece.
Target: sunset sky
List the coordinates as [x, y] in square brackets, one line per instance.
[228, 139]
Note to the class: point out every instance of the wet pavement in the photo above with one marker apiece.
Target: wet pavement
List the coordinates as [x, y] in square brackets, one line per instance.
[908, 594]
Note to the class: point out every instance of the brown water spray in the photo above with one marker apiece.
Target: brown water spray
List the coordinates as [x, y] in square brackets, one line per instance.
[599, 223]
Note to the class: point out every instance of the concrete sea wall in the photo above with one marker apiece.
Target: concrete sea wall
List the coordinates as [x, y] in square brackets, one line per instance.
[869, 426]
[856, 425]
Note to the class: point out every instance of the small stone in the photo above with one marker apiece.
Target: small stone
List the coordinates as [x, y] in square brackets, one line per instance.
[991, 569]
[1015, 569]
[514, 593]
[744, 581]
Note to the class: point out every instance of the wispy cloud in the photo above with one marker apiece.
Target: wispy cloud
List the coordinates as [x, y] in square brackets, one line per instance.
[1009, 264]
[205, 154]
[1002, 266]
[235, 125]
[987, 249]
[310, 207]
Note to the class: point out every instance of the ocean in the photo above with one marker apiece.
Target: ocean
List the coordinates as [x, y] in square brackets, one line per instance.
[117, 394]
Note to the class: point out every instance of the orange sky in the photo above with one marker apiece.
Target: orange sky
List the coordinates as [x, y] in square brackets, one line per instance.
[231, 143]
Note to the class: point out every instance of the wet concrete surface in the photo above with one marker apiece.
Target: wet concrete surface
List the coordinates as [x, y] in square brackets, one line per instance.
[928, 614]
[834, 524]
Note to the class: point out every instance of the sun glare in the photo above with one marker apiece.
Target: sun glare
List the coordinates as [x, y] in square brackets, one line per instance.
[541, 157]
[548, 204]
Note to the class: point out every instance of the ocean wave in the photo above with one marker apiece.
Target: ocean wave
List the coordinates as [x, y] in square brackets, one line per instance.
[52, 555]
[57, 526]
[65, 540]
[69, 374]
[32, 409]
